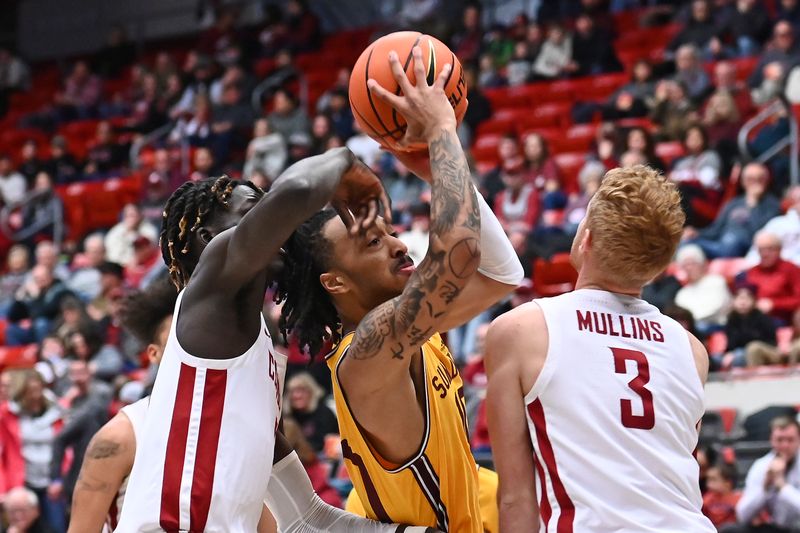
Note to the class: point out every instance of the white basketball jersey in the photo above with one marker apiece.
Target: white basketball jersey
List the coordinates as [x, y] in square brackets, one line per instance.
[136, 414]
[613, 419]
[204, 457]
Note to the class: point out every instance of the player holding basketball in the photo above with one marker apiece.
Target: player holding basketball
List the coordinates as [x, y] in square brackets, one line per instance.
[594, 396]
[398, 393]
[205, 453]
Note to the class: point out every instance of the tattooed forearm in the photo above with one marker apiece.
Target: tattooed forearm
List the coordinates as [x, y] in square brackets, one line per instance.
[452, 196]
[102, 449]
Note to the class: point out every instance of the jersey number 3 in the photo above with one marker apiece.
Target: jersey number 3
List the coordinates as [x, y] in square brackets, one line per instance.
[648, 417]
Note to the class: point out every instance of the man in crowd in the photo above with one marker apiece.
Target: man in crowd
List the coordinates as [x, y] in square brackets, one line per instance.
[777, 281]
[22, 512]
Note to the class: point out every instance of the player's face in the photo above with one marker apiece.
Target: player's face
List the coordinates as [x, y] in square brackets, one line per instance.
[374, 267]
[242, 200]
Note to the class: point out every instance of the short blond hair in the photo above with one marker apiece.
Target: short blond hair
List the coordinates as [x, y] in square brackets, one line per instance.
[636, 222]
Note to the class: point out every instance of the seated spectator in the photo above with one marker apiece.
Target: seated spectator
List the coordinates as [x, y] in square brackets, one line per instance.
[639, 140]
[771, 495]
[789, 10]
[31, 164]
[748, 330]
[479, 109]
[105, 360]
[518, 70]
[517, 205]
[541, 169]
[196, 130]
[589, 179]
[267, 152]
[42, 214]
[316, 420]
[417, 237]
[722, 121]
[747, 28]
[341, 115]
[466, 41]
[112, 278]
[303, 27]
[119, 240]
[697, 174]
[492, 182]
[17, 270]
[12, 184]
[700, 30]
[81, 94]
[149, 109]
[36, 423]
[73, 318]
[118, 53]
[592, 50]
[672, 111]
[203, 164]
[778, 355]
[661, 291]
[404, 190]
[777, 281]
[46, 254]
[146, 263]
[22, 512]
[489, 76]
[342, 83]
[783, 51]
[232, 116]
[704, 295]
[287, 117]
[555, 57]
[686, 320]
[786, 228]
[726, 81]
[321, 131]
[159, 185]
[39, 299]
[62, 164]
[15, 76]
[105, 155]
[364, 147]
[634, 98]
[85, 278]
[720, 499]
[691, 73]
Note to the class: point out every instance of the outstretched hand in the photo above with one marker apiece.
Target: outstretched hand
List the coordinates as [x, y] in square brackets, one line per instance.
[425, 107]
[359, 198]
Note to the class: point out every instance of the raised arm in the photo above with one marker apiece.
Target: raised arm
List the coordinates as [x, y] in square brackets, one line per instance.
[387, 337]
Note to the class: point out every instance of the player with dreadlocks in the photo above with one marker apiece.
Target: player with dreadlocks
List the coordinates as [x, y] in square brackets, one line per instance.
[399, 397]
[205, 454]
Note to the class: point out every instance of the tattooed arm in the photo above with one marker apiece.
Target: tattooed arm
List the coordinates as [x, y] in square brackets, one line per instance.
[108, 461]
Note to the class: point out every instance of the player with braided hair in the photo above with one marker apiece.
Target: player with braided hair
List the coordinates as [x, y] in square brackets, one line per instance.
[209, 452]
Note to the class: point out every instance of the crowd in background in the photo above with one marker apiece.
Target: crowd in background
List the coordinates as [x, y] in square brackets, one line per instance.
[63, 298]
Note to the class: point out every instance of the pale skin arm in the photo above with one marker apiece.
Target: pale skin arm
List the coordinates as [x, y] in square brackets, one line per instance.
[266, 524]
[516, 347]
[108, 461]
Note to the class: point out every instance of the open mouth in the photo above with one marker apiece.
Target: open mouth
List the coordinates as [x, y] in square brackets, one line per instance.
[404, 266]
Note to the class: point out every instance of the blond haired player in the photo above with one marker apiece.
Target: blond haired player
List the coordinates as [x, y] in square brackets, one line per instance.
[594, 396]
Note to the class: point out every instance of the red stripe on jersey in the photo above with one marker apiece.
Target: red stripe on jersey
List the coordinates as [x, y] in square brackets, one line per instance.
[567, 514]
[207, 445]
[169, 518]
[544, 503]
[113, 514]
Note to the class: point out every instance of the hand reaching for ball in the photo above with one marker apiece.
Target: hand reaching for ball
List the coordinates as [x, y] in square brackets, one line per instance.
[425, 107]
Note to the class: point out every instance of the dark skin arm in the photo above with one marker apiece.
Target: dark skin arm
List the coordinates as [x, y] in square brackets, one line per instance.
[232, 272]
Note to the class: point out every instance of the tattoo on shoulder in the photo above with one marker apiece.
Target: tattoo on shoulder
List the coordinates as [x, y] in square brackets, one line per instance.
[103, 449]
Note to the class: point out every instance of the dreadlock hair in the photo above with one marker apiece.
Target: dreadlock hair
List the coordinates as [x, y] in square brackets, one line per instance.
[186, 211]
[143, 311]
[308, 312]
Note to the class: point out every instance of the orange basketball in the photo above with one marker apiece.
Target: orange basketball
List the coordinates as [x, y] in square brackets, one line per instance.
[378, 119]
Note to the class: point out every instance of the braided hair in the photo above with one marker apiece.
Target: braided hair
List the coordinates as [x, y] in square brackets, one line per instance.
[308, 311]
[186, 211]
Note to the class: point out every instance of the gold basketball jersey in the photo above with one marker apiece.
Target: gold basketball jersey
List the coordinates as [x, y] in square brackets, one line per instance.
[438, 487]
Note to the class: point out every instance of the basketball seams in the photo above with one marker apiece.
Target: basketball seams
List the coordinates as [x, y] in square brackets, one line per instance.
[398, 127]
[369, 95]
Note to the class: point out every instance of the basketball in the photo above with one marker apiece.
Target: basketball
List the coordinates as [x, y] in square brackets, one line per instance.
[377, 118]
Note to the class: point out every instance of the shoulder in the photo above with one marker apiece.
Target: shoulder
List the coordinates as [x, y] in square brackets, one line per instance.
[700, 355]
[115, 438]
[521, 329]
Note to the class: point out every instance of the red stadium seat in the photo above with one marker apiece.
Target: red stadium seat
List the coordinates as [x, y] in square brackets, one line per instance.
[728, 267]
[485, 147]
[717, 342]
[577, 138]
[18, 356]
[554, 114]
[728, 416]
[3, 326]
[554, 277]
[570, 164]
[669, 151]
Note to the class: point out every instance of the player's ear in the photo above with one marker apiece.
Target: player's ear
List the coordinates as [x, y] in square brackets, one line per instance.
[204, 235]
[586, 240]
[153, 354]
[333, 283]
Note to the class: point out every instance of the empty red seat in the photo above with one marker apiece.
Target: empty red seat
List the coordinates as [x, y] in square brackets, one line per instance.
[549, 115]
[570, 163]
[577, 138]
[554, 277]
[669, 151]
[18, 356]
[485, 147]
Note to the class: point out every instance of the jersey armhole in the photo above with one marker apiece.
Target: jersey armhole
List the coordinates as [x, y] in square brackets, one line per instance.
[550, 361]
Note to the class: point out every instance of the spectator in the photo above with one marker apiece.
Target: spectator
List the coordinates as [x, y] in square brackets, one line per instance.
[777, 281]
[541, 169]
[726, 81]
[492, 182]
[673, 111]
[72, 319]
[118, 53]
[786, 228]
[640, 141]
[149, 109]
[417, 237]
[42, 214]
[105, 155]
[47, 255]
[30, 165]
[733, 230]
[479, 108]
[267, 152]
[37, 422]
[489, 77]
[691, 73]
[342, 83]
[340, 113]
[22, 512]
[287, 117]
[589, 179]
[556, 54]
[747, 28]
[661, 291]
[634, 98]
[773, 483]
[85, 278]
[112, 276]
[518, 70]
[697, 175]
[303, 28]
[146, 263]
[61, 165]
[119, 240]
[38, 299]
[405, 191]
[592, 52]
[81, 94]
[466, 42]
[86, 403]
[317, 470]
[12, 184]
[160, 183]
[315, 419]
[748, 331]
[17, 270]
[204, 165]
[197, 129]
[14, 77]
[233, 114]
[783, 50]
[700, 30]
[104, 360]
[363, 146]
[720, 499]
[299, 145]
[704, 295]
[722, 121]
[517, 205]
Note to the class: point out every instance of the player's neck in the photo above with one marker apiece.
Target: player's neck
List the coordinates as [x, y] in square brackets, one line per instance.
[588, 281]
